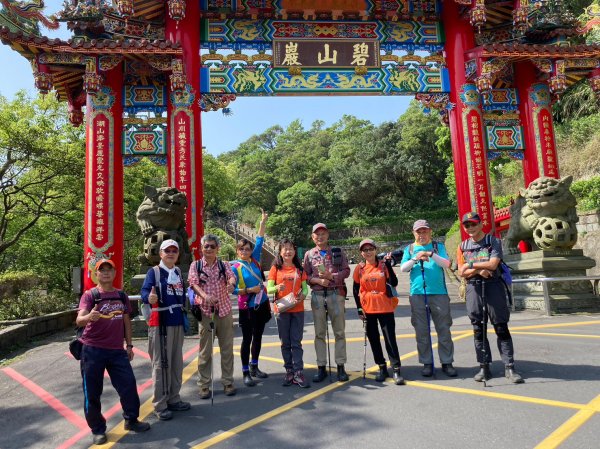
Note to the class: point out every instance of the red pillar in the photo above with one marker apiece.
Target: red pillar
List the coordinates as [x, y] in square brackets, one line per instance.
[466, 123]
[542, 126]
[103, 222]
[525, 77]
[185, 155]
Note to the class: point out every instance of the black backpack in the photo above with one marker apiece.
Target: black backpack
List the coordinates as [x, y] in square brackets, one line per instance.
[75, 345]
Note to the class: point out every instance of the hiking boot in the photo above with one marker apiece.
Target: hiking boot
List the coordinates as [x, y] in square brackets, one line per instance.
[229, 390]
[100, 438]
[341, 374]
[204, 393]
[512, 375]
[398, 379]
[483, 374]
[427, 370]
[300, 380]
[383, 374]
[136, 426]
[248, 381]
[255, 372]
[163, 415]
[449, 370]
[179, 406]
[288, 379]
[321, 374]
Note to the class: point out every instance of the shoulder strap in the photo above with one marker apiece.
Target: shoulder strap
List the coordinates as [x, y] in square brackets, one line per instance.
[95, 295]
[383, 269]
[435, 247]
[157, 281]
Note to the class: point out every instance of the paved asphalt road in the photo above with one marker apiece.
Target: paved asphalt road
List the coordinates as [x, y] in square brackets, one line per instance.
[559, 405]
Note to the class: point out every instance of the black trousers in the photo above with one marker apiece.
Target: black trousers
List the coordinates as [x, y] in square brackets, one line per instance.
[93, 363]
[493, 293]
[252, 322]
[388, 328]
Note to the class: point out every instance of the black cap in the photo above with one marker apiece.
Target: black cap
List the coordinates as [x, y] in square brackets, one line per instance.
[472, 217]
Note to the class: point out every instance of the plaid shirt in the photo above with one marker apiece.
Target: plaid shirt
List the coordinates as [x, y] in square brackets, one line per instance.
[210, 283]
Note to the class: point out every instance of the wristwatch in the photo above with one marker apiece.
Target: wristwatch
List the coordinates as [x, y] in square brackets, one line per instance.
[470, 264]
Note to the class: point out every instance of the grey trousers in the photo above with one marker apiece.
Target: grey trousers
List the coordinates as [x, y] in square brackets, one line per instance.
[336, 310]
[291, 326]
[167, 382]
[224, 332]
[442, 319]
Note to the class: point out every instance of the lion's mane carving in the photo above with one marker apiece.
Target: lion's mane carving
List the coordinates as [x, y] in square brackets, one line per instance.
[161, 216]
[543, 215]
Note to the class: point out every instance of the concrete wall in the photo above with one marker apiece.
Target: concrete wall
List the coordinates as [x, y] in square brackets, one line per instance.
[588, 229]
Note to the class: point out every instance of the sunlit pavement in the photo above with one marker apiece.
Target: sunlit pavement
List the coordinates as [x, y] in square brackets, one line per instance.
[41, 401]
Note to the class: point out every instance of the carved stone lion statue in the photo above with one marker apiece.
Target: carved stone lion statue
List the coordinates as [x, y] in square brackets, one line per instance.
[543, 215]
[161, 216]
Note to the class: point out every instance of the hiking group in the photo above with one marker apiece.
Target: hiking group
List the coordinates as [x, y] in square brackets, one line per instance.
[107, 342]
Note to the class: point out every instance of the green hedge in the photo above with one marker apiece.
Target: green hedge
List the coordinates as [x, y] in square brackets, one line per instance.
[12, 282]
[32, 303]
[587, 193]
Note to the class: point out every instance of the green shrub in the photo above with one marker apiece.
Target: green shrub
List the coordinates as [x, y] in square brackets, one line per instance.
[12, 282]
[32, 303]
[587, 193]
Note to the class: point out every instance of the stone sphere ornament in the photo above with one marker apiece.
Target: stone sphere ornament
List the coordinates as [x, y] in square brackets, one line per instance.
[554, 233]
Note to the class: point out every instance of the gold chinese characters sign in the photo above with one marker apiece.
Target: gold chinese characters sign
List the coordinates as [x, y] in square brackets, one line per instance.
[321, 53]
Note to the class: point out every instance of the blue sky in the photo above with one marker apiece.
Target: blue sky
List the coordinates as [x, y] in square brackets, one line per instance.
[251, 115]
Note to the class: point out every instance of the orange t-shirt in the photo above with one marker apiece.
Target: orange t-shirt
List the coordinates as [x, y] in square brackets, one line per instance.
[286, 277]
[372, 279]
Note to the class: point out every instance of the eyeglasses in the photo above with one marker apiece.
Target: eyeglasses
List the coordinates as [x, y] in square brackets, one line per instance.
[468, 225]
[366, 250]
[210, 246]
[170, 251]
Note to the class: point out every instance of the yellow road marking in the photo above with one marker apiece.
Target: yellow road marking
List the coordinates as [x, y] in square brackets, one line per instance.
[272, 414]
[546, 326]
[489, 394]
[585, 411]
[553, 334]
[557, 437]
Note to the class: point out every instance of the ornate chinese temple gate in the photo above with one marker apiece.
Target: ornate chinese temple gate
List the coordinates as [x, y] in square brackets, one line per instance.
[146, 69]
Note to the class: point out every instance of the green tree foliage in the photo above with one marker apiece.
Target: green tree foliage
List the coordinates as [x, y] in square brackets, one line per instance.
[42, 167]
[351, 168]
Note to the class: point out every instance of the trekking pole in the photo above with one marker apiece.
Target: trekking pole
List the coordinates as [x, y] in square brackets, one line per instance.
[212, 358]
[485, 318]
[428, 312]
[327, 334]
[162, 341]
[365, 349]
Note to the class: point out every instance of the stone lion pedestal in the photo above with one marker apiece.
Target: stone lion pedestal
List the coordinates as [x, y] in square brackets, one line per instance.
[564, 296]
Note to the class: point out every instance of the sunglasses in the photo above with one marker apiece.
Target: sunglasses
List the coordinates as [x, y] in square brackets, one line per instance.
[369, 249]
[210, 246]
[170, 251]
[468, 225]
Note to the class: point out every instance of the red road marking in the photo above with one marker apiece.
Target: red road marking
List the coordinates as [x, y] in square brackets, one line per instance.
[141, 353]
[109, 414]
[190, 353]
[53, 402]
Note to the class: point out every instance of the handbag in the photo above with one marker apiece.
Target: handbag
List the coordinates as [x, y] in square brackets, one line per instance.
[75, 345]
[288, 301]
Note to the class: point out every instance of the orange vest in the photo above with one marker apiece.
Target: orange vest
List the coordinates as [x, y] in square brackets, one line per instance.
[372, 280]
